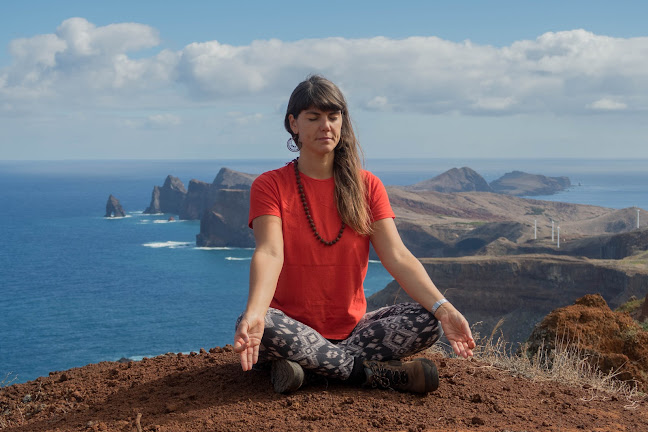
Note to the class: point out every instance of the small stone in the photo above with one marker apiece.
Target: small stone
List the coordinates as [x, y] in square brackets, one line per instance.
[476, 398]
[27, 398]
[478, 421]
[202, 351]
[77, 396]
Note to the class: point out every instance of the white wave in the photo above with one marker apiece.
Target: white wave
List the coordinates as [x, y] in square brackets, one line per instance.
[374, 261]
[168, 244]
[168, 221]
[237, 259]
[220, 248]
[117, 217]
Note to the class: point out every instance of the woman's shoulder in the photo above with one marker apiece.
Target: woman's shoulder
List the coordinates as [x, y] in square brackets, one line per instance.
[371, 178]
[276, 176]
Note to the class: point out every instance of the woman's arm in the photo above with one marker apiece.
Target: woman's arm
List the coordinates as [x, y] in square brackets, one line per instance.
[265, 268]
[411, 275]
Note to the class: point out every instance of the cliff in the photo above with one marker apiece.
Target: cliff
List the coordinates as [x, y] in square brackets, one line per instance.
[520, 183]
[199, 198]
[521, 289]
[230, 179]
[168, 198]
[114, 208]
[454, 180]
[225, 224]
[203, 196]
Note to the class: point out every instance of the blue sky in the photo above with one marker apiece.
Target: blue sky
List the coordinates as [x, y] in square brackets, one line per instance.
[165, 80]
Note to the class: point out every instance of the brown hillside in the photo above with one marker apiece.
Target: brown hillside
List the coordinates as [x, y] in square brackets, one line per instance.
[208, 392]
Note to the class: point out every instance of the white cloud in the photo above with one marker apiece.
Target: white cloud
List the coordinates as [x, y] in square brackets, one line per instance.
[155, 121]
[378, 103]
[607, 105]
[83, 65]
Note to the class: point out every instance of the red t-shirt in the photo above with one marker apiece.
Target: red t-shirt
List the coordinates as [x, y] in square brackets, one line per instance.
[319, 285]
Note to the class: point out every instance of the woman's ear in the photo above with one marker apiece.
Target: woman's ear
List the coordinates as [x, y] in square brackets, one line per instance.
[293, 124]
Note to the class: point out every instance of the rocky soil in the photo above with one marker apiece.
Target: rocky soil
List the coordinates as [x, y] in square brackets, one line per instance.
[207, 391]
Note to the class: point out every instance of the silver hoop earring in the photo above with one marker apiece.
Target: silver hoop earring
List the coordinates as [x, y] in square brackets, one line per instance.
[292, 146]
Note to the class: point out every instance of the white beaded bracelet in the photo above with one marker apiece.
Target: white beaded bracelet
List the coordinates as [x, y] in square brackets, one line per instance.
[438, 304]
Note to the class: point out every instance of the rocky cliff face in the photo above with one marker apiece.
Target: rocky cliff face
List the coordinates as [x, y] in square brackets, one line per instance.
[230, 179]
[602, 247]
[520, 183]
[611, 341]
[520, 289]
[199, 198]
[168, 198]
[114, 208]
[225, 224]
[454, 180]
[202, 196]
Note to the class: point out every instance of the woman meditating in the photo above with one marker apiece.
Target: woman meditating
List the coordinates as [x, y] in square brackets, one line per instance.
[313, 221]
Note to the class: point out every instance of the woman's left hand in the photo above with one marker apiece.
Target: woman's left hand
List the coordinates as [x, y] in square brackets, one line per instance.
[456, 330]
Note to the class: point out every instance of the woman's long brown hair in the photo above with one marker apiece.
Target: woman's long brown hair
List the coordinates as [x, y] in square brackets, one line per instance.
[350, 185]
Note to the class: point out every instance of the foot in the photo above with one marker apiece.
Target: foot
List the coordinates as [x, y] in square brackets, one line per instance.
[286, 376]
[417, 376]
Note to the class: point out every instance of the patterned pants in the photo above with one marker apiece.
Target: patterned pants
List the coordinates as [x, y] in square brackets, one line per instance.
[391, 332]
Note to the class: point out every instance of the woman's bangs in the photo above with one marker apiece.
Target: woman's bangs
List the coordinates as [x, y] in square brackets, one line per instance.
[321, 100]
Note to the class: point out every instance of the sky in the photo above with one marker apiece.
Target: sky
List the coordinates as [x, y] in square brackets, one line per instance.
[424, 79]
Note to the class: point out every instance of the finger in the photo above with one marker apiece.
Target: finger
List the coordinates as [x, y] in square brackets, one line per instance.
[240, 345]
[250, 357]
[459, 349]
[244, 362]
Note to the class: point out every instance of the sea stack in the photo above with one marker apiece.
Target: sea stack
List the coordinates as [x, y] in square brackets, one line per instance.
[168, 198]
[114, 208]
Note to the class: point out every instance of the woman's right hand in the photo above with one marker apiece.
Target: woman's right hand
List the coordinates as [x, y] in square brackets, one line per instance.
[247, 340]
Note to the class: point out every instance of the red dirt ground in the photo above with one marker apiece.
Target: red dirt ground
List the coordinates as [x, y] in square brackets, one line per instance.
[208, 392]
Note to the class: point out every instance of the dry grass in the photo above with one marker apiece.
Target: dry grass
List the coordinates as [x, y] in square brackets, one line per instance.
[8, 380]
[567, 363]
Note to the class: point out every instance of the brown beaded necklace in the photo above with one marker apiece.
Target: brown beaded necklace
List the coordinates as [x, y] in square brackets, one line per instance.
[307, 211]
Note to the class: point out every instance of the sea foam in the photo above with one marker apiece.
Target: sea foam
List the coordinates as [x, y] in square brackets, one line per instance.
[168, 244]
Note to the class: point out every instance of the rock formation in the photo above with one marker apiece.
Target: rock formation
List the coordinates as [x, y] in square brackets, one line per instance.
[168, 198]
[114, 208]
[230, 179]
[198, 199]
[454, 180]
[520, 289]
[225, 224]
[611, 341]
[202, 196]
[520, 183]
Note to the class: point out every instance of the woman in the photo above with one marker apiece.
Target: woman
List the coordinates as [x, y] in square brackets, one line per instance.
[313, 221]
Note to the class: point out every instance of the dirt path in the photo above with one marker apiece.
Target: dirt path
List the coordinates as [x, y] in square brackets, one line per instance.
[207, 391]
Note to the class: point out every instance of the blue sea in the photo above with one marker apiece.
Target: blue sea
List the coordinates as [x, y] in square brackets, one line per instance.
[77, 288]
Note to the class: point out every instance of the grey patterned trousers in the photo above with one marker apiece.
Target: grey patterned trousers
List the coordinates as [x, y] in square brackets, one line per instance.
[391, 332]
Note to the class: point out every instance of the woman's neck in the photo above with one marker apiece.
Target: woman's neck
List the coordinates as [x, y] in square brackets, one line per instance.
[316, 166]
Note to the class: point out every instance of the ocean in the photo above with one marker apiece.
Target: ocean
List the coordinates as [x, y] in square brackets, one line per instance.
[77, 288]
